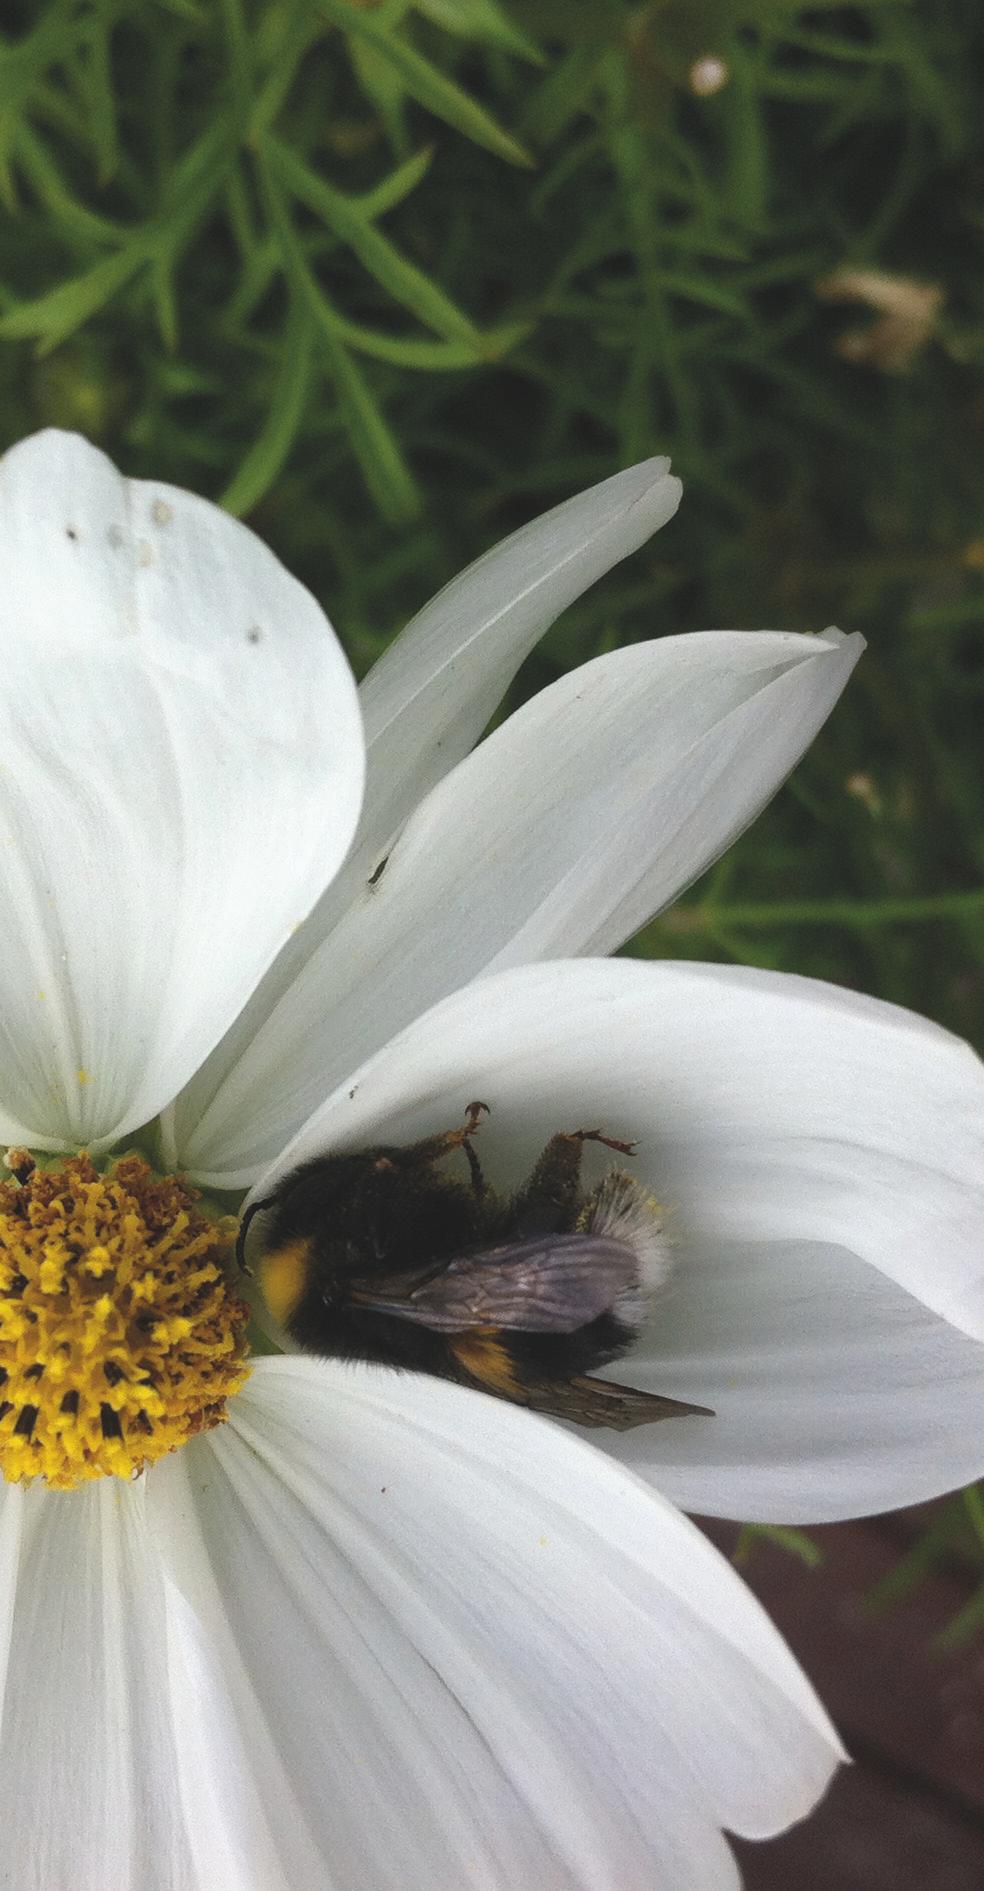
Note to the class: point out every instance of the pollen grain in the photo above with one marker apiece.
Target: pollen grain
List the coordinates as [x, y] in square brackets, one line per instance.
[120, 1333]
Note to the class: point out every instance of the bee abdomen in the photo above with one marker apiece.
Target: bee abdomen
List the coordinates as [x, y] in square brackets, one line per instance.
[622, 1210]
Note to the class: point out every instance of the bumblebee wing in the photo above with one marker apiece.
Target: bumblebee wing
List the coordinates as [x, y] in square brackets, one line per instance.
[551, 1285]
[601, 1402]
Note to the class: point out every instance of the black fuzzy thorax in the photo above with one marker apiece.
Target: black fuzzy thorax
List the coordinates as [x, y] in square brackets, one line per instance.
[376, 1217]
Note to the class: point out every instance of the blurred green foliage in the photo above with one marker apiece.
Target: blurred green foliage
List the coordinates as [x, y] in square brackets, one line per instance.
[389, 278]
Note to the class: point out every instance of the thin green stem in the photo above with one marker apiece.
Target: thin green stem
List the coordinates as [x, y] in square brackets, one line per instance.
[821, 912]
[974, 1506]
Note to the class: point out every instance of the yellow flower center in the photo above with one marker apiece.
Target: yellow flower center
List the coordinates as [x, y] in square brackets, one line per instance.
[121, 1334]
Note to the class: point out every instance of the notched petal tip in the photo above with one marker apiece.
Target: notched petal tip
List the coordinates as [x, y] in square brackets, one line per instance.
[651, 479]
[842, 639]
[646, 494]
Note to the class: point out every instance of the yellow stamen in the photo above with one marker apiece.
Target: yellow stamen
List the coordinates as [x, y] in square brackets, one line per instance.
[121, 1335]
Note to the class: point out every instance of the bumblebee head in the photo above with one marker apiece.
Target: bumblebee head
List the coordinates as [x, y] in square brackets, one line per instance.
[321, 1227]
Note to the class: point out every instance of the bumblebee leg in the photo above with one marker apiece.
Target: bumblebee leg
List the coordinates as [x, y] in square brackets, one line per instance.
[475, 1168]
[610, 1142]
[434, 1148]
[551, 1201]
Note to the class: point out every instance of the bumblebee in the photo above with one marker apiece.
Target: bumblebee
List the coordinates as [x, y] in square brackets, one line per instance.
[383, 1255]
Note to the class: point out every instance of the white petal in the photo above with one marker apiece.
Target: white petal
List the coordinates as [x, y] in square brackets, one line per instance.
[181, 776]
[69, 544]
[768, 1110]
[585, 813]
[88, 1774]
[245, 1820]
[835, 1393]
[430, 696]
[399, 1579]
[11, 1537]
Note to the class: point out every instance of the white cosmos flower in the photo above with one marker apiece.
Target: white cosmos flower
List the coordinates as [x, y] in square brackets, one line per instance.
[378, 1631]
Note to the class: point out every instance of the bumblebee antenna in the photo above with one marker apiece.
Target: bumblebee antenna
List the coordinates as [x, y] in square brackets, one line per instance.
[255, 1208]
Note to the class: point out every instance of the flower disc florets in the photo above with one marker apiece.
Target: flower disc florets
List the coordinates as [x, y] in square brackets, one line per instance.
[120, 1334]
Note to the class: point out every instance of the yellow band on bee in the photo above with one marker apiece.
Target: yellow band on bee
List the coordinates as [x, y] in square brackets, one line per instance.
[483, 1354]
[284, 1274]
